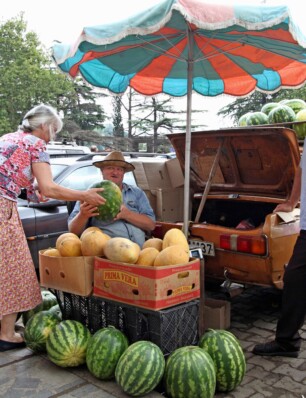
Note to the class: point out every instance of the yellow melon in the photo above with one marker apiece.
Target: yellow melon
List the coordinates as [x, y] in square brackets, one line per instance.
[172, 255]
[121, 250]
[147, 256]
[64, 236]
[70, 247]
[153, 242]
[89, 229]
[93, 242]
[175, 236]
[52, 252]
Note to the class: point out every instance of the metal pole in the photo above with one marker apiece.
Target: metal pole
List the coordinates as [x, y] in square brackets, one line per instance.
[188, 132]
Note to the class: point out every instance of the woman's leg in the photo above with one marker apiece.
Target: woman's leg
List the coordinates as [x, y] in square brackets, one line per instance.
[7, 332]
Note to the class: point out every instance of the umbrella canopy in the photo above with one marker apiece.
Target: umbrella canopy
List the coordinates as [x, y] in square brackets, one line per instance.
[180, 46]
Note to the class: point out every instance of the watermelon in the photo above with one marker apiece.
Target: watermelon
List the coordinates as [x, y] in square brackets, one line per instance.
[281, 114]
[48, 301]
[242, 120]
[104, 349]
[295, 104]
[227, 354]
[38, 329]
[300, 128]
[256, 118]
[67, 343]
[190, 373]
[140, 368]
[267, 108]
[112, 194]
[56, 311]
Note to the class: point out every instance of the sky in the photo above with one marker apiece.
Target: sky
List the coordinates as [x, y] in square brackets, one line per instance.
[63, 20]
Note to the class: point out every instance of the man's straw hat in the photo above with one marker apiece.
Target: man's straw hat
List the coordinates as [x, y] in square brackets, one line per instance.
[115, 159]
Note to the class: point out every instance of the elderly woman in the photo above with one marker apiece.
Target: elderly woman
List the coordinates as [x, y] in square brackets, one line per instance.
[23, 158]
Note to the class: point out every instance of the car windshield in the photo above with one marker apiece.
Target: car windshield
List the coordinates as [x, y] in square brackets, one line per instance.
[83, 177]
[56, 169]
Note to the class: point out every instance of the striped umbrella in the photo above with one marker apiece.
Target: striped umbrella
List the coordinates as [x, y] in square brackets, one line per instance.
[180, 46]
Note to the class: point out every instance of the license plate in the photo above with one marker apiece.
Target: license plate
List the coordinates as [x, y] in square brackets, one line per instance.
[208, 248]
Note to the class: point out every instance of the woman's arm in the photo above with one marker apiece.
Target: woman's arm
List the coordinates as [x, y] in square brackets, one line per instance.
[47, 187]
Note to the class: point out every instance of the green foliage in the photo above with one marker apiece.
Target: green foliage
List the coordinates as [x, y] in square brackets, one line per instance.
[28, 77]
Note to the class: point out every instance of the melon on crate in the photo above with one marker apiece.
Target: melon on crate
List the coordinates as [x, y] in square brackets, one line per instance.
[157, 243]
[65, 236]
[171, 255]
[70, 247]
[113, 195]
[228, 357]
[147, 256]
[175, 236]
[93, 242]
[89, 229]
[121, 250]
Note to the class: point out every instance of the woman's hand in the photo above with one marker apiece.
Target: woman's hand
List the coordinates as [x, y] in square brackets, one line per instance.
[286, 207]
[92, 197]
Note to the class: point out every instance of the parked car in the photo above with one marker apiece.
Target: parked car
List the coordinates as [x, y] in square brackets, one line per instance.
[44, 222]
[242, 240]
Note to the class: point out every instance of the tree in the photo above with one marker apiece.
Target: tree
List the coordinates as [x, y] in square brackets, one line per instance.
[26, 77]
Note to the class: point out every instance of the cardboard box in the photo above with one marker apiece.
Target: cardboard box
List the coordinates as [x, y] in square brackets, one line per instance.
[153, 288]
[68, 274]
[217, 314]
[175, 173]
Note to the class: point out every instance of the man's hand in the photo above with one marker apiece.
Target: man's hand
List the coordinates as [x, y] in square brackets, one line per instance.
[286, 207]
[87, 210]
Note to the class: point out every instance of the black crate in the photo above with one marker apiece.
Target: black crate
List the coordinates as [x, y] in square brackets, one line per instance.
[169, 328]
[90, 311]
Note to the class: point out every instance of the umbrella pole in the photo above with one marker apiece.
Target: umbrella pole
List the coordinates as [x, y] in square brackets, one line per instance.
[188, 133]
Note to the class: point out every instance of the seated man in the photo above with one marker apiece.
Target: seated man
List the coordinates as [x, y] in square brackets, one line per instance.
[136, 216]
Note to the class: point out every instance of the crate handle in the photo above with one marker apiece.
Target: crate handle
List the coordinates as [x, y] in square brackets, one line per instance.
[62, 275]
[182, 275]
[189, 288]
[135, 292]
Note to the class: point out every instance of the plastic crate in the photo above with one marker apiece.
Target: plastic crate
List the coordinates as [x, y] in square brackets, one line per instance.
[169, 328]
[90, 311]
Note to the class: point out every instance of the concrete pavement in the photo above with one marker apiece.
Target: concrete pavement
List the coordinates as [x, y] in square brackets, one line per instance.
[253, 318]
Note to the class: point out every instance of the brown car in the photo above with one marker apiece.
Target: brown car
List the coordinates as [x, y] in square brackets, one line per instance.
[242, 240]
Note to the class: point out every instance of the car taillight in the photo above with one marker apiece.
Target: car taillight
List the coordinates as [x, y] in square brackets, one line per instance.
[244, 243]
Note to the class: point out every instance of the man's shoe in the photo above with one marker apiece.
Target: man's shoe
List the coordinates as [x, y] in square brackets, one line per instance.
[273, 349]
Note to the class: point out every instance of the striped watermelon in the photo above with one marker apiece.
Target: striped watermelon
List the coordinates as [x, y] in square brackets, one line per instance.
[38, 329]
[300, 128]
[112, 194]
[295, 104]
[48, 301]
[104, 349]
[242, 122]
[267, 108]
[67, 343]
[56, 310]
[140, 368]
[281, 114]
[190, 373]
[228, 357]
[256, 119]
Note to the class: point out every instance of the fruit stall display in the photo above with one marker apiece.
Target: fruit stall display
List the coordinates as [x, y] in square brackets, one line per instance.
[111, 337]
[290, 113]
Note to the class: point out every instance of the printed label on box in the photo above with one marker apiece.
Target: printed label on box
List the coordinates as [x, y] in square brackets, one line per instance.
[147, 287]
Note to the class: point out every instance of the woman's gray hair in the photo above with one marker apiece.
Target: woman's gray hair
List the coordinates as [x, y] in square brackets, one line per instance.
[41, 114]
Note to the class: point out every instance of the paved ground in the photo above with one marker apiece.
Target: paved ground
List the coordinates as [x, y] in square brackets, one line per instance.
[253, 319]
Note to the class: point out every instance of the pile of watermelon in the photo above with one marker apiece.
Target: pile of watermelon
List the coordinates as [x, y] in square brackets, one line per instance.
[285, 111]
[217, 364]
